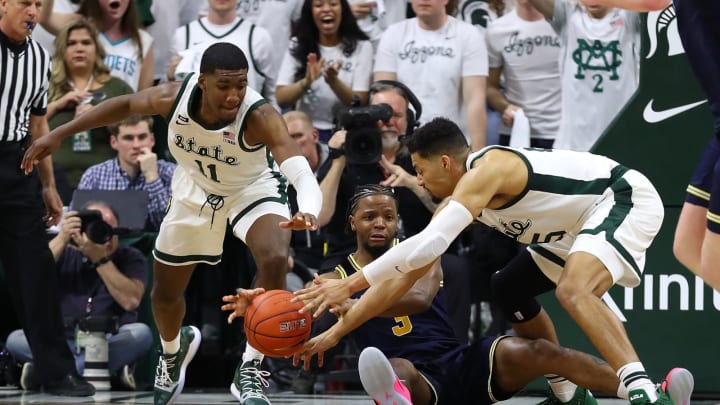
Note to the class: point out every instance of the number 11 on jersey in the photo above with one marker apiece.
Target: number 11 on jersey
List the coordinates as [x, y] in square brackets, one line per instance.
[211, 168]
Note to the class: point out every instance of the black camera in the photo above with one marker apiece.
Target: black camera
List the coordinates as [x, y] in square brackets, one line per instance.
[363, 142]
[106, 324]
[93, 225]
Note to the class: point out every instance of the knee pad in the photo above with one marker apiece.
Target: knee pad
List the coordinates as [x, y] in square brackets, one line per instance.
[515, 287]
[516, 306]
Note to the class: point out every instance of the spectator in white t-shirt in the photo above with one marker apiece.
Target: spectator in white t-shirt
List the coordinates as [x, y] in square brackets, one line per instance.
[443, 61]
[599, 66]
[374, 16]
[524, 49]
[327, 44]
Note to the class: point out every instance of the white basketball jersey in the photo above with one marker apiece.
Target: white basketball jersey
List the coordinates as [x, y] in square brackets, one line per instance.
[563, 188]
[217, 158]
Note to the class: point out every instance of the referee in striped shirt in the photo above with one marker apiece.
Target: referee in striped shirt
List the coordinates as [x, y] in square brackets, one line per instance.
[24, 254]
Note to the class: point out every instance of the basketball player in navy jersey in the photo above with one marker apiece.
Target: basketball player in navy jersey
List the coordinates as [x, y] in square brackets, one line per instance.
[416, 334]
[226, 139]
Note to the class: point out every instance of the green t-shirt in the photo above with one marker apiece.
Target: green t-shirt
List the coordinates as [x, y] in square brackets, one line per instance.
[80, 151]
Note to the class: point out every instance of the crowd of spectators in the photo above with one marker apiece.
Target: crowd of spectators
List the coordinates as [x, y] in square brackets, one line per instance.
[469, 61]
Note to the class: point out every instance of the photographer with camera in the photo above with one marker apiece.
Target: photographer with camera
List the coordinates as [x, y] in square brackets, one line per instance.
[101, 285]
[368, 151]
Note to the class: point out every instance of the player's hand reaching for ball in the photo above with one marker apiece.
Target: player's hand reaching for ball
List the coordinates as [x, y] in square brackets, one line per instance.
[323, 294]
[317, 345]
[300, 221]
[239, 302]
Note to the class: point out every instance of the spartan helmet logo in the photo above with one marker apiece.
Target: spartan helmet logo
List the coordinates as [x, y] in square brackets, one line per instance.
[659, 22]
[476, 12]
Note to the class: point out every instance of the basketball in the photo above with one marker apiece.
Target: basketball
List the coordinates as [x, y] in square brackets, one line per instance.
[273, 324]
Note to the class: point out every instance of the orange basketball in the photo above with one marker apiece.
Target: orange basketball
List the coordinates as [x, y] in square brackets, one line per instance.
[273, 324]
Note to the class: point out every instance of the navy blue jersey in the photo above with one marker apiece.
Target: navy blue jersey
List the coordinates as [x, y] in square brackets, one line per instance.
[699, 29]
[457, 372]
[421, 338]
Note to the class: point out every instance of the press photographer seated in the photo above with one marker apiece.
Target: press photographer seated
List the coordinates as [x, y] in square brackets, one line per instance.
[99, 279]
[368, 151]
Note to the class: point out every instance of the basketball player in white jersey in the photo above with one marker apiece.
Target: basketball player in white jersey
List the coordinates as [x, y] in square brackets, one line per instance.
[226, 139]
[588, 221]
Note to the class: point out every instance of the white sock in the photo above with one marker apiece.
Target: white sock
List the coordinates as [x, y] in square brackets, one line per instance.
[633, 376]
[251, 354]
[172, 346]
[563, 388]
[622, 391]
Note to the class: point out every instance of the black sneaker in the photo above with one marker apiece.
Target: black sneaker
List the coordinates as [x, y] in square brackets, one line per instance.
[70, 385]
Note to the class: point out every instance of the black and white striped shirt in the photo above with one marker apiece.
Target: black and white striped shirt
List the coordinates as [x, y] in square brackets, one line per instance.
[24, 83]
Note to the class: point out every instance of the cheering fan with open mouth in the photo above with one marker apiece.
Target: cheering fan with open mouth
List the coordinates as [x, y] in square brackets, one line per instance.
[118, 22]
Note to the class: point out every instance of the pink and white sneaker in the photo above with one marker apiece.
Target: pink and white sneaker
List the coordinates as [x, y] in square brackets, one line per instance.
[679, 384]
[379, 379]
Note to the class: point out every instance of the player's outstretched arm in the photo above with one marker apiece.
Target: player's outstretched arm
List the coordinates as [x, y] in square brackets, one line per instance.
[411, 254]
[152, 101]
[375, 301]
[328, 292]
[266, 126]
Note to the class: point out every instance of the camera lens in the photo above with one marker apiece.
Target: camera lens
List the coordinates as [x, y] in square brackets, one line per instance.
[363, 146]
[99, 232]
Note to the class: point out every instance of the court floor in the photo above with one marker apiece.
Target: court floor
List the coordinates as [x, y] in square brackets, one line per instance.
[216, 397]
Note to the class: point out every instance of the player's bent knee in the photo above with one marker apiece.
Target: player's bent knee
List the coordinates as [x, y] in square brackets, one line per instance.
[275, 262]
[164, 296]
[569, 294]
[516, 301]
[403, 368]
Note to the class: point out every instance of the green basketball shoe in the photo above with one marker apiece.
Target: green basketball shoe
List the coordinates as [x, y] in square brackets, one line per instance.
[248, 383]
[170, 371]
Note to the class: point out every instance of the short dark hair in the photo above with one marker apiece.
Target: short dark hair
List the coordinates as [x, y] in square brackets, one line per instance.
[438, 137]
[223, 55]
[367, 190]
[132, 119]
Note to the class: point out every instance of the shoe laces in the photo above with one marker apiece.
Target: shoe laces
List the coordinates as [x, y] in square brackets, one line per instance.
[252, 381]
[163, 379]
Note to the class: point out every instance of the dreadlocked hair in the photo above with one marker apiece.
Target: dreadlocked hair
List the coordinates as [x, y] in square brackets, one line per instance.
[363, 191]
